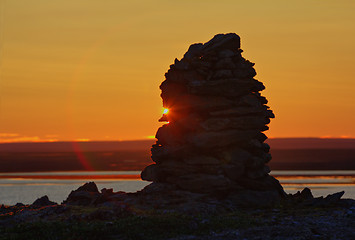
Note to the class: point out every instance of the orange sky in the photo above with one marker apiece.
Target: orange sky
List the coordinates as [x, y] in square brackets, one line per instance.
[84, 69]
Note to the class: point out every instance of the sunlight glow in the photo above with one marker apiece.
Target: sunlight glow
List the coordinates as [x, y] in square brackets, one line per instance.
[165, 111]
[82, 140]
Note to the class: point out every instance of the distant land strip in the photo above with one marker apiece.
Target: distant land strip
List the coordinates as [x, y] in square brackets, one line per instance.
[287, 154]
[71, 177]
[275, 143]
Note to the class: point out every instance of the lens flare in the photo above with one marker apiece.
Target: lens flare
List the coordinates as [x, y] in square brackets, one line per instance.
[165, 111]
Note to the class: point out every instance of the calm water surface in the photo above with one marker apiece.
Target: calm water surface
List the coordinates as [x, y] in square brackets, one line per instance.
[27, 187]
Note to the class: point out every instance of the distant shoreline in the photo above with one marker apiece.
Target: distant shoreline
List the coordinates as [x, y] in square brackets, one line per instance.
[67, 146]
[136, 160]
[344, 177]
[287, 154]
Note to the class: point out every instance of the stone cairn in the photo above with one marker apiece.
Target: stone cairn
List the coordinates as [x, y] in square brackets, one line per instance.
[213, 140]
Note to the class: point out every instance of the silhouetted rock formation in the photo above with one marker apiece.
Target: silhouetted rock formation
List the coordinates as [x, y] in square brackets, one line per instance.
[43, 201]
[156, 203]
[84, 195]
[213, 141]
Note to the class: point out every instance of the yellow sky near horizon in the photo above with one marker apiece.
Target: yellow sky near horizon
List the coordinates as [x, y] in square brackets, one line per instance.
[91, 70]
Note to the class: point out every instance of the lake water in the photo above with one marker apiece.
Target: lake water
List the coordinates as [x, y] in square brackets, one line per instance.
[27, 187]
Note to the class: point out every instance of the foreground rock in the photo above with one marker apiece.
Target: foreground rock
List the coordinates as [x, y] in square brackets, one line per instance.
[162, 197]
[43, 201]
[187, 214]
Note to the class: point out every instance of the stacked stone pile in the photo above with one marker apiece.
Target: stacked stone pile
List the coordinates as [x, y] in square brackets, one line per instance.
[213, 141]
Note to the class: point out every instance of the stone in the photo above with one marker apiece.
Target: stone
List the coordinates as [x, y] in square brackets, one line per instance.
[230, 41]
[306, 194]
[191, 102]
[228, 89]
[333, 198]
[251, 100]
[234, 171]
[202, 183]
[193, 51]
[242, 122]
[169, 135]
[222, 74]
[216, 124]
[181, 65]
[149, 173]
[201, 160]
[157, 188]
[84, 195]
[305, 198]
[89, 187]
[220, 138]
[253, 198]
[225, 63]
[227, 53]
[237, 111]
[43, 201]
[236, 155]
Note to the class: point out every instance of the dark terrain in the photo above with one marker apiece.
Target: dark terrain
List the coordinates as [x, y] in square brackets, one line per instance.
[287, 154]
[177, 215]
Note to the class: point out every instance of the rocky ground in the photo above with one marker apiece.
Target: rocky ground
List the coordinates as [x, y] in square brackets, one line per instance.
[275, 224]
[174, 214]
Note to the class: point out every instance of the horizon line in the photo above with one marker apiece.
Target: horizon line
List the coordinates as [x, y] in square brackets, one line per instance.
[151, 139]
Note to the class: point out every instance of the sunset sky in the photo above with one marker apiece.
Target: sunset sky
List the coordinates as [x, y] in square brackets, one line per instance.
[85, 69]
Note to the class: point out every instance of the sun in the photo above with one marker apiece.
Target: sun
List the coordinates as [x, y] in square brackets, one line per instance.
[165, 111]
